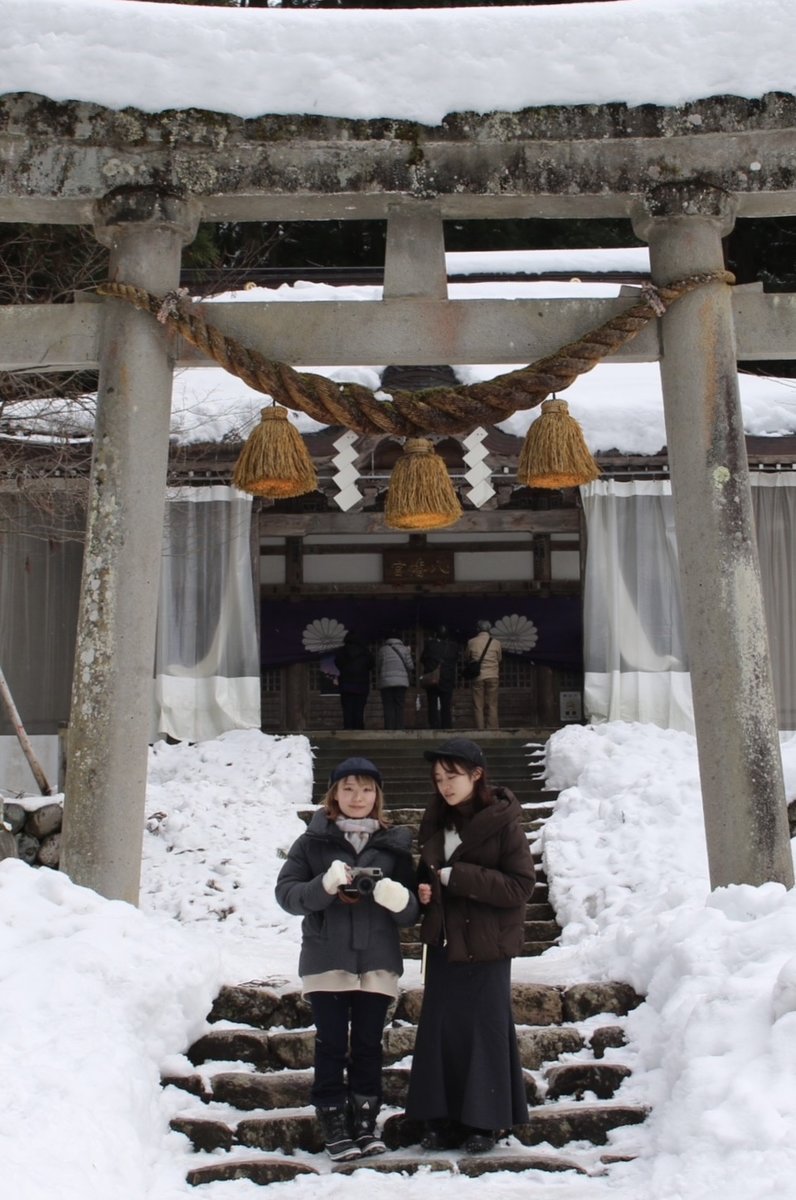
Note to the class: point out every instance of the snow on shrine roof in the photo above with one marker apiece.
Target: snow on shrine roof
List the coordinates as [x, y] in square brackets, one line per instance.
[410, 64]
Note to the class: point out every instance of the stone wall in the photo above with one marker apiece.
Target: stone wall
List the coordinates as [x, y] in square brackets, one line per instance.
[35, 836]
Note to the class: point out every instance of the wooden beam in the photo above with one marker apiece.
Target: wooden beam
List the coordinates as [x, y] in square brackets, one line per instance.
[555, 520]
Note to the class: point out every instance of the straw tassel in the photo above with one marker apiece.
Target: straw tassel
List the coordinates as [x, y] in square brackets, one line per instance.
[275, 462]
[421, 495]
[555, 454]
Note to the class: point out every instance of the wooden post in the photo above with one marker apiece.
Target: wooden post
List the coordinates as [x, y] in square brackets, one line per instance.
[22, 737]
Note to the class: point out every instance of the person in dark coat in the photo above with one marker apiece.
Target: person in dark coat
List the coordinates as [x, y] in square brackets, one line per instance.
[350, 957]
[354, 662]
[440, 651]
[476, 877]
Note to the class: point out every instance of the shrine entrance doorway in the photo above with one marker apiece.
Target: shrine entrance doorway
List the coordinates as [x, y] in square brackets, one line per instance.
[322, 575]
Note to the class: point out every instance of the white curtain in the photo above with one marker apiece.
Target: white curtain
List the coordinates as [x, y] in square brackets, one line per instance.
[774, 506]
[207, 670]
[635, 661]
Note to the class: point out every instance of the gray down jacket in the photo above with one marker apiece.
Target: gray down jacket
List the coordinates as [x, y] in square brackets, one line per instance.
[394, 665]
[336, 935]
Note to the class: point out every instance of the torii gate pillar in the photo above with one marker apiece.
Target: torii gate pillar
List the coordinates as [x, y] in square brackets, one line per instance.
[112, 687]
[734, 709]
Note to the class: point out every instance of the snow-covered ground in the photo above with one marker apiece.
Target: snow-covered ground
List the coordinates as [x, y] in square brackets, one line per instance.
[97, 998]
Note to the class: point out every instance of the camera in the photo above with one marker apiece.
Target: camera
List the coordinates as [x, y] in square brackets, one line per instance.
[363, 881]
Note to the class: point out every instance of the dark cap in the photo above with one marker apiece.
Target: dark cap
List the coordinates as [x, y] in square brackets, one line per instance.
[355, 766]
[463, 748]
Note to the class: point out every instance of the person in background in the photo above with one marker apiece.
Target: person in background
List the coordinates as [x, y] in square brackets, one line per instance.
[394, 669]
[353, 661]
[485, 687]
[350, 958]
[475, 878]
[440, 651]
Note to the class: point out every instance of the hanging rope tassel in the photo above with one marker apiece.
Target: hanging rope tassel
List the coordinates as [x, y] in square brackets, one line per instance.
[555, 454]
[274, 462]
[421, 495]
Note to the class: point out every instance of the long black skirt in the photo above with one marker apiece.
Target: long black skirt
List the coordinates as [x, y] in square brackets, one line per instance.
[466, 1064]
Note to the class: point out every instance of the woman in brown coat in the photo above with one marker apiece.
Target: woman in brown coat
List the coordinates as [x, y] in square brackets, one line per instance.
[475, 879]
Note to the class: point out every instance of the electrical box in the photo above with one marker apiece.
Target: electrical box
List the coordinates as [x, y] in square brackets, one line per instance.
[571, 706]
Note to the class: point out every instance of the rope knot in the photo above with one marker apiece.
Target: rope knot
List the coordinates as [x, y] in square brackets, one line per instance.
[652, 296]
[171, 306]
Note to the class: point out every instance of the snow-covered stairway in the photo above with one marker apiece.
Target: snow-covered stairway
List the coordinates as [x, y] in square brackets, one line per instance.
[244, 1097]
[514, 760]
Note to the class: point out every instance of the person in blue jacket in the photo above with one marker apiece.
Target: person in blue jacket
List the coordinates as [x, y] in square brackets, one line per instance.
[350, 957]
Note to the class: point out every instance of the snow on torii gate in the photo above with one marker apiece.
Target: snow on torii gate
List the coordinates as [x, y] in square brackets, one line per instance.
[144, 182]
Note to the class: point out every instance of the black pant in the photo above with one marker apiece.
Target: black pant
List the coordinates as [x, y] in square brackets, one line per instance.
[392, 699]
[335, 1050]
[439, 708]
[353, 704]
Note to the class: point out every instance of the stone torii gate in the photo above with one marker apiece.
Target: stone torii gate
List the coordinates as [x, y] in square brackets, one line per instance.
[144, 182]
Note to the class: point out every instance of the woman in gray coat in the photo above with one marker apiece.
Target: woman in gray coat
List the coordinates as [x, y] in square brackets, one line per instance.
[350, 947]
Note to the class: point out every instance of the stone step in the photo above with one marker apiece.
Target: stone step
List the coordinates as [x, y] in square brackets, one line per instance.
[267, 1116]
[577, 1079]
[473, 1167]
[260, 1006]
[402, 773]
[410, 817]
[535, 931]
[211, 1134]
[290, 1089]
[411, 814]
[285, 1050]
[258, 1170]
[337, 744]
[542, 1039]
[409, 756]
[559, 1125]
[205, 1133]
[401, 780]
[275, 1169]
[556, 1125]
[413, 951]
[544, 1044]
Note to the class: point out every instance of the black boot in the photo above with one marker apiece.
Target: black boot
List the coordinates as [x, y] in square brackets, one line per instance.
[480, 1141]
[362, 1125]
[432, 1138]
[337, 1139]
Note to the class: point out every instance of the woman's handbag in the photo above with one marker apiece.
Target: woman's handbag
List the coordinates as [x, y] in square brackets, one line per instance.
[430, 678]
[472, 669]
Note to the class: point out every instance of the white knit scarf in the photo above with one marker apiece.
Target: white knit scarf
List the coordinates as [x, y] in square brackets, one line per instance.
[357, 830]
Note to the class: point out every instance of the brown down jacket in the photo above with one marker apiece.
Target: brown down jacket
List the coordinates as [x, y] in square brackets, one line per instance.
[479, 916]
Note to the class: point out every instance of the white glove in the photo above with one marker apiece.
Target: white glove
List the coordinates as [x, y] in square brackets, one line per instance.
[336, 877]
[444, 876]
[391, 894]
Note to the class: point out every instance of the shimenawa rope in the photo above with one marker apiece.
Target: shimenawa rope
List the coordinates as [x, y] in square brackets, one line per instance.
[410, 414]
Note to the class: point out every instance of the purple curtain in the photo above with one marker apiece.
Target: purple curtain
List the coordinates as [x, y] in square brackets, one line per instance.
[544, 630]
